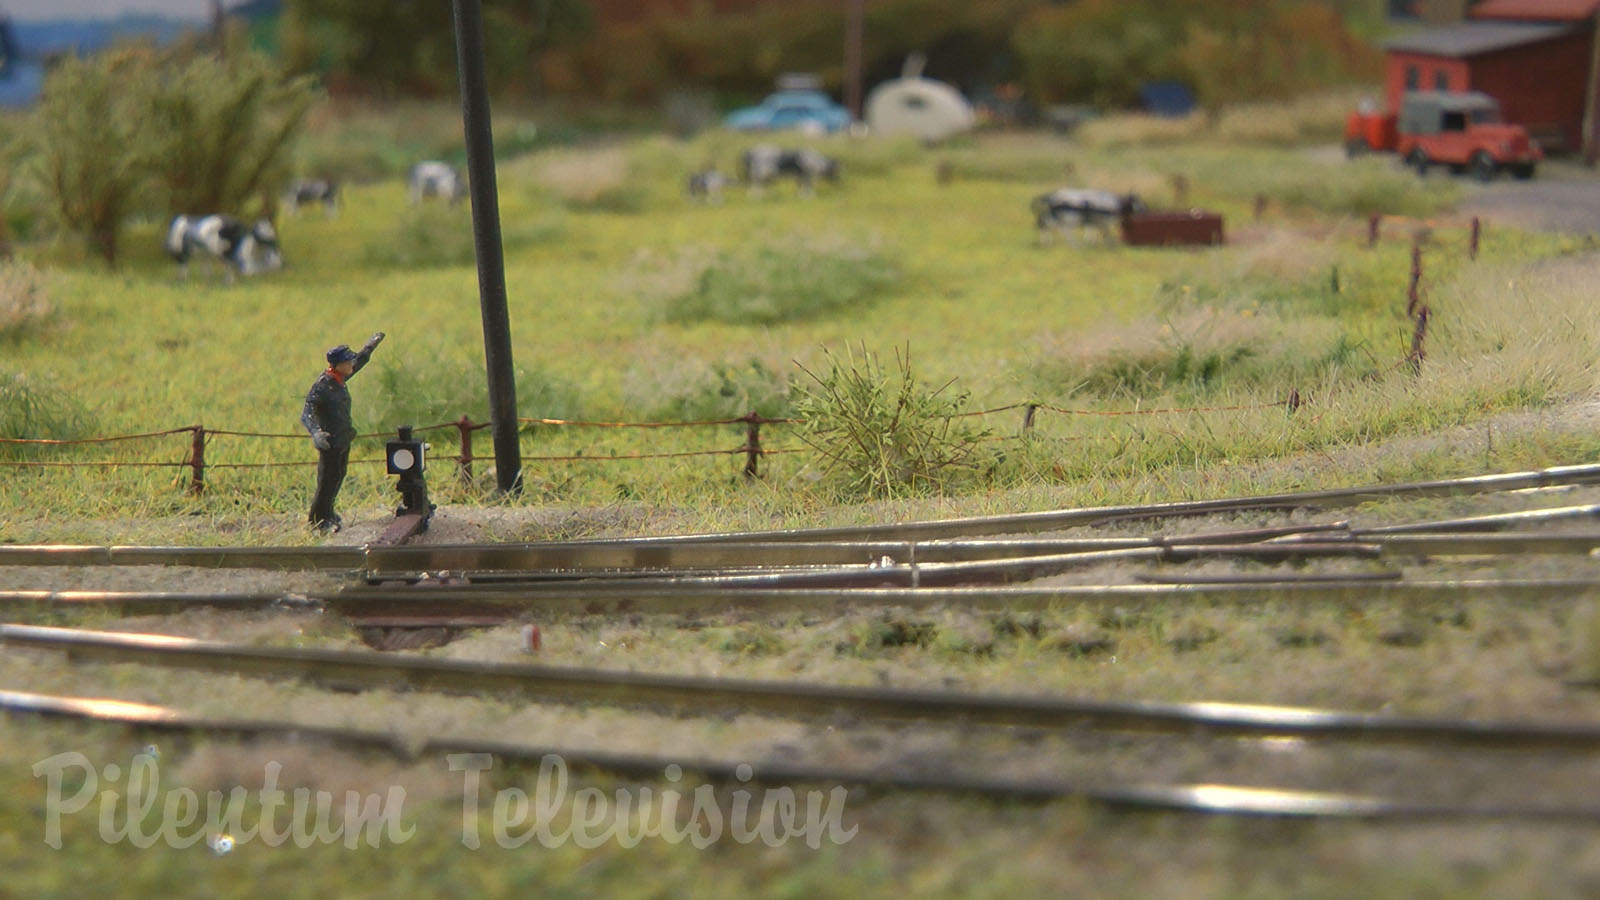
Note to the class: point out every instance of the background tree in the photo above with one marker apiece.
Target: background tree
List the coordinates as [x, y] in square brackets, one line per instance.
[132, 130]
[407, 47]
[219, 132]
[87, 141]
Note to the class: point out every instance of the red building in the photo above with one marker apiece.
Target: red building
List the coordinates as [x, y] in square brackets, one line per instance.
[1537, 57]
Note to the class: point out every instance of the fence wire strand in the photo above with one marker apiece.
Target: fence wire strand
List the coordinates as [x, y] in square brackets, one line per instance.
[467, 425]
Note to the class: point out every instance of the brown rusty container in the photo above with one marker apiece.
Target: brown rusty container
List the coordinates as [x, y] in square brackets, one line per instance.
[1171, 228]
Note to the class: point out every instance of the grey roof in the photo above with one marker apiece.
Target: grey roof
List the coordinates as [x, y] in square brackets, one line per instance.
[1474, 38]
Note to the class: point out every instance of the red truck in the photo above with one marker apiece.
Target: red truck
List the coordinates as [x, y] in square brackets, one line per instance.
[1459, 129]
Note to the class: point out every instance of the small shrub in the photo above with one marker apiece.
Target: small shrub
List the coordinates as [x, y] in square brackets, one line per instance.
[23, 301]
[884, 436]
[789, 280]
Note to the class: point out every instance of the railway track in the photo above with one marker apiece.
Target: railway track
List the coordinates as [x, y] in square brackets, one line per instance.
[1203, 798]
[822, 545]
[692, 695]
[959, 563]
[483, 606]
[844, 706]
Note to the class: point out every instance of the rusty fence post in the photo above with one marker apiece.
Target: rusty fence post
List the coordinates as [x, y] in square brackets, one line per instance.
[1412, 295]
[197, 462]
[1477, 232]
[1374, 222]
[752, 443]
[1418, 354]
[465, 426]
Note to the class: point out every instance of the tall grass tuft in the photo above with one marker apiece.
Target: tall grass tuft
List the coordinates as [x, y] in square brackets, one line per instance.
[793, 278]
[884, 434]
[37, 412]
[24, 304]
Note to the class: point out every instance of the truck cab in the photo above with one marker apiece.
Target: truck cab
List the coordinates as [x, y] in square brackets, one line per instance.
[1460, 129]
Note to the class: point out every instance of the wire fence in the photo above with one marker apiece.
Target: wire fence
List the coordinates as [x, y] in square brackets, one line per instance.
[196, 459]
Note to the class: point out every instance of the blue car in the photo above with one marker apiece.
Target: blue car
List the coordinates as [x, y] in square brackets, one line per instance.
[810, 111]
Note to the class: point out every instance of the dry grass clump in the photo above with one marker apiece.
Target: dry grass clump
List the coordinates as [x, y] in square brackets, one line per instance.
[24, 302]
[1139, 130]
[591, 179]
[1312, 118]
[785, 278]
[679, 389]
[1192, 350]
[1536, 325]
[1278, 254]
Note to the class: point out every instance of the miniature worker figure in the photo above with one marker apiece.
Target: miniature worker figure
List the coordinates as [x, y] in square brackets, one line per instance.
[327, 417]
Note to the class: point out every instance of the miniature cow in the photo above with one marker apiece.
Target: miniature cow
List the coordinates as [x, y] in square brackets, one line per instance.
[707, 185]
[248, 248]
[435, 179]
[306, 191]
[761, 165]
[1069, 210]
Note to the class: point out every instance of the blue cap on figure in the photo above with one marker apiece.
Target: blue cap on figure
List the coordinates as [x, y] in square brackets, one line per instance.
[339, 354]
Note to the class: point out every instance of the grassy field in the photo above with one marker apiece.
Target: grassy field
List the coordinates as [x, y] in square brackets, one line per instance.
[630, 303]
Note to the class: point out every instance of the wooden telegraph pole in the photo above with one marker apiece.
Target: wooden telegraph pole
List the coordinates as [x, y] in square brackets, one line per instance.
[853, 28]
[486, 238]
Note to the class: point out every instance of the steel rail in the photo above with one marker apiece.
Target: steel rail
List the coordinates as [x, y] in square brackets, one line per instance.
[988, 571]
[626, 559]
[475, 605]
[555, 562]
[698, 696]
[1208, 799]
[1020, 523]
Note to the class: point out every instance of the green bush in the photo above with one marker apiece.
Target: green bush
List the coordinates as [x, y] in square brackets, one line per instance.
[130, 131]
[787, 280]
[87, 134]
[218, 132]
[885, 435]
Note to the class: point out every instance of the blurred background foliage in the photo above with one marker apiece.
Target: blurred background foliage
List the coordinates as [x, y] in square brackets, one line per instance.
[652, 51]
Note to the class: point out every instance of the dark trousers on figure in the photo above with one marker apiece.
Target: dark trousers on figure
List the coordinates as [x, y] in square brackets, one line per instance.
[331, 465]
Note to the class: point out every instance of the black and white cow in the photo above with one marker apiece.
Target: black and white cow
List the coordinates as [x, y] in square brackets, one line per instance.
[247, 248]
[1070, 210]
[707, 185]
[435, 179]
[763, 164]
[306, 191]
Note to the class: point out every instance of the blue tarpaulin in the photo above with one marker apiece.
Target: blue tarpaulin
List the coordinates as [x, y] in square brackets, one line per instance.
[1167, 98]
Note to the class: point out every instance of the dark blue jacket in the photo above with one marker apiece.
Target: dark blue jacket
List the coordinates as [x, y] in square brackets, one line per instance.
[328, 406]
